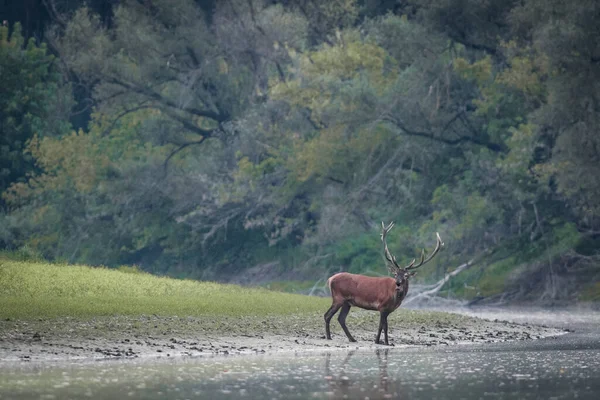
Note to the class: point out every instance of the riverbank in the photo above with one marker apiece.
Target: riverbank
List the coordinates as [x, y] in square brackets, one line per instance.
[64, 339]
[67, 312]
[560, 367]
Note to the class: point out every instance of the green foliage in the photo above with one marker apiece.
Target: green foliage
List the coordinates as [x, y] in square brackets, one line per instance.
[463, 218]
[560, 37]
[495, 274]
[33, 102]
[563, 237]
[287, 132]
[489, 280]
[360, 254]
[480, 71]
[24, 253]
[82, 183]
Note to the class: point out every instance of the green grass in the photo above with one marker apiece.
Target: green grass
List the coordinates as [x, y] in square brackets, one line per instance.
[79, 304]
[40, 290]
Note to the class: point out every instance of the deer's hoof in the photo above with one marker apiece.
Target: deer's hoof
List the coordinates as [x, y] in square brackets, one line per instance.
[352, 340]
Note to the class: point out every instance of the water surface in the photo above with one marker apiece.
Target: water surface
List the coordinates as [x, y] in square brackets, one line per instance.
[566, 367]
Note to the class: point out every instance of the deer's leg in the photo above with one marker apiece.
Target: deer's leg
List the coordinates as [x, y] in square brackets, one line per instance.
[383, 326]
[328, 315]
[342, 321]
[385, 329]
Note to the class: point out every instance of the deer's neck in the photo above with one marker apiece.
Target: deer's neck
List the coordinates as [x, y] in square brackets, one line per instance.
[401, 293]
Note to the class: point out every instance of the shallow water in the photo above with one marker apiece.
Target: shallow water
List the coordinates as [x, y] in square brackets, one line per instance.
[555, 368]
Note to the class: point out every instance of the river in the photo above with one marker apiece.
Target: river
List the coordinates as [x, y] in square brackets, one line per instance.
[564, 367]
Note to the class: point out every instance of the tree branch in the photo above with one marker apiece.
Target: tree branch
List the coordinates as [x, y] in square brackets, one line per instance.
[253, 17]
[162, 99]
[429, 135]
[188, 125]
[192, 55]
[180, 148]
[50, 6]
[440, 284]
[336, 180]
[124, 113]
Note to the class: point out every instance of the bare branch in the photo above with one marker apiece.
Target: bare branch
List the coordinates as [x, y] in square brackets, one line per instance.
[440, 284]
[189, 125]
[124, 113]
[166, 101]
[430, 135]
[180, 148]
[50, 6]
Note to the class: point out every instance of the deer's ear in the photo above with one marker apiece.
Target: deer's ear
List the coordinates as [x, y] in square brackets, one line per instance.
[411, 274]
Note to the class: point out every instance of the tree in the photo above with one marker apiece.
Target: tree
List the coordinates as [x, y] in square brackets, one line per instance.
[33, 101]
[478, 25]
[565, 36]
[94, 199]
[364, 127]
[288, 130]
[184, 85]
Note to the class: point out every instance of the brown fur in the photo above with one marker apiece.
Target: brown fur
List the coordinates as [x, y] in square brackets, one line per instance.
[370, 293]
[373, 293]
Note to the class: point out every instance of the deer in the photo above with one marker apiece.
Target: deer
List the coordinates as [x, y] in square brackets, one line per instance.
[383, 294]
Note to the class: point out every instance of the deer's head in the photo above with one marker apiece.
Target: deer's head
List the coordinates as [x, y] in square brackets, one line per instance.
[403, 274]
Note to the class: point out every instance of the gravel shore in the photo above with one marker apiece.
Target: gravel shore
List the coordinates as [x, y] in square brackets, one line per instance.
[119, 337]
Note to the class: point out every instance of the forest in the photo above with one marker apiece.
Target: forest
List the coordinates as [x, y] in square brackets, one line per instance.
[263, 142]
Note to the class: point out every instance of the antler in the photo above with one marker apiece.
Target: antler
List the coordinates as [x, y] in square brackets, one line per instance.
[438, 246]
[392, 264]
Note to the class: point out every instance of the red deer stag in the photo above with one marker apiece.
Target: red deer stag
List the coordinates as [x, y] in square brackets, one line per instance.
[373, 293]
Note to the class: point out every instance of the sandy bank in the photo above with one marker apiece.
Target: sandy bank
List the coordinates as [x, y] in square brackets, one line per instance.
[161, 336]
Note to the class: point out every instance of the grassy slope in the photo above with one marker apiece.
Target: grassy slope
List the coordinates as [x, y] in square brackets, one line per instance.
[39, 290]
[76, 303]
[68, 310]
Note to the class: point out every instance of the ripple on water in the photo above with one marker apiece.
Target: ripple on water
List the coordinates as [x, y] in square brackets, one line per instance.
[506, 371]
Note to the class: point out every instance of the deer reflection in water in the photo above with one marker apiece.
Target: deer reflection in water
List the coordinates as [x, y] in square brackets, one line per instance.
[345, 381]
